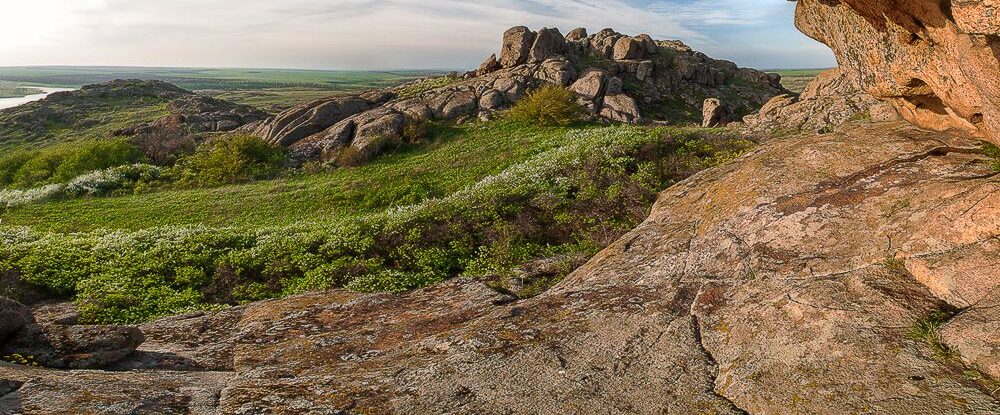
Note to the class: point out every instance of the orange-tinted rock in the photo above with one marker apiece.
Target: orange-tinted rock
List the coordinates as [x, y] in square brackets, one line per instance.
[938, 62]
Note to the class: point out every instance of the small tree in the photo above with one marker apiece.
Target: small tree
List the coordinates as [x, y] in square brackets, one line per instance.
[549, 105]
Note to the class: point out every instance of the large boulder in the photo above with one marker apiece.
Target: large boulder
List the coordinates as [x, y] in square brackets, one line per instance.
[13, 316]
[549, 43]
[303, 121]
[714, 113]
[577, 34]
[590, 86]
[74, 347]
[517, 43]
[620, 108]
[629, 48]
[491, 64]
[937, 62]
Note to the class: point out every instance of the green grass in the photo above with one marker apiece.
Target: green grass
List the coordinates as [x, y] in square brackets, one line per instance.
[97, 123]
[478, 202]
[458, 157]
[991, 151]
[928, 331]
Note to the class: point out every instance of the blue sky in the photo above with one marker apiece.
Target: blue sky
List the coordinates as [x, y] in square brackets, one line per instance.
[377, 34]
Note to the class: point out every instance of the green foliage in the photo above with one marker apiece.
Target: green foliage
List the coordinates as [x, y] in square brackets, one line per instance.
[29, 168]
[993, 152]
[569, 198]
[928, 331]
[236, 158]
[549, 105]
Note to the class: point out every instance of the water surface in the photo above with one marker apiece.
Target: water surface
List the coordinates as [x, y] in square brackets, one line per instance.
[13, 102]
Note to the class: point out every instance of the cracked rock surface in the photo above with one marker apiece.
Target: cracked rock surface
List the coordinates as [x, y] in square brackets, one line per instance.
[784, 282]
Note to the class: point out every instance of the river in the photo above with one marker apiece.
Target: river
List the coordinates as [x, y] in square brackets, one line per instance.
[13, 102]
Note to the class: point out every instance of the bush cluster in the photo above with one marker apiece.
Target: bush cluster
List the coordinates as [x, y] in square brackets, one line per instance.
[549, 105]
[229, 159]
[23, 169]
[571, 200]
[232, 159]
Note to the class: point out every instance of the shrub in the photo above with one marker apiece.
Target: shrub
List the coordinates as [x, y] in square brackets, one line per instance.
[236, 158]
[549, 106]
[26, 169]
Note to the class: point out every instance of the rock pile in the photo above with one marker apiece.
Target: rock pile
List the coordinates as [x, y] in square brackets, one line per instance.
[618, 78]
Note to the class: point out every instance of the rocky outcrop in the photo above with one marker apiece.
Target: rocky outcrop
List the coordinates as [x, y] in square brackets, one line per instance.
[828, 101]
[618, 78]
[751, 288]
[193, 114]
[13, 316]
[74, 347]
[937, 62]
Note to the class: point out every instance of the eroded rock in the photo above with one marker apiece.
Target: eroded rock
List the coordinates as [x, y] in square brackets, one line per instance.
[828, 101]
[937, 62]
[714, 114]
[76, 347]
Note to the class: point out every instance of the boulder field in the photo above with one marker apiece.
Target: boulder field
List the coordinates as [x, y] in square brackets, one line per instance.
[617, 78]
[850, 267]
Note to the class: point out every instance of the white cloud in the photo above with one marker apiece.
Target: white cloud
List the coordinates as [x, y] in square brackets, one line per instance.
[348, 34]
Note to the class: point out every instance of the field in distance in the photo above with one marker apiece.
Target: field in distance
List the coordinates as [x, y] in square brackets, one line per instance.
[795, 80]
[268, 89]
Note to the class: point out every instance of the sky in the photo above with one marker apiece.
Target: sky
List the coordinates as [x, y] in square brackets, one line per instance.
[376, 34]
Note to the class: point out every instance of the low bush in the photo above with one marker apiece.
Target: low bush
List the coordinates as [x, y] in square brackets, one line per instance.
[31, 168]
[231, 159]
[549, 105]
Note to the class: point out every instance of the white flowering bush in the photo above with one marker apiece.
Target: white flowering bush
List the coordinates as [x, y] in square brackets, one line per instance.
[97, 183]
[569, 201]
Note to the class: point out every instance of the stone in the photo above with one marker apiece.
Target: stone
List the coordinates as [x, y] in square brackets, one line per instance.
[620, 108]
[549, 44]
[557, 71]
[629, 48]
[491, 64]
[973, 333]
[714, 114]
[590, 86]
[303, 121]
[48, 391]
[517, 43]
[13, 316]
[460, 104]
[828, 102]
[937, 62]
[645, 70]
[577, 34]
[614, 86]
[191, 342]
[74, 347]
[492, 100]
